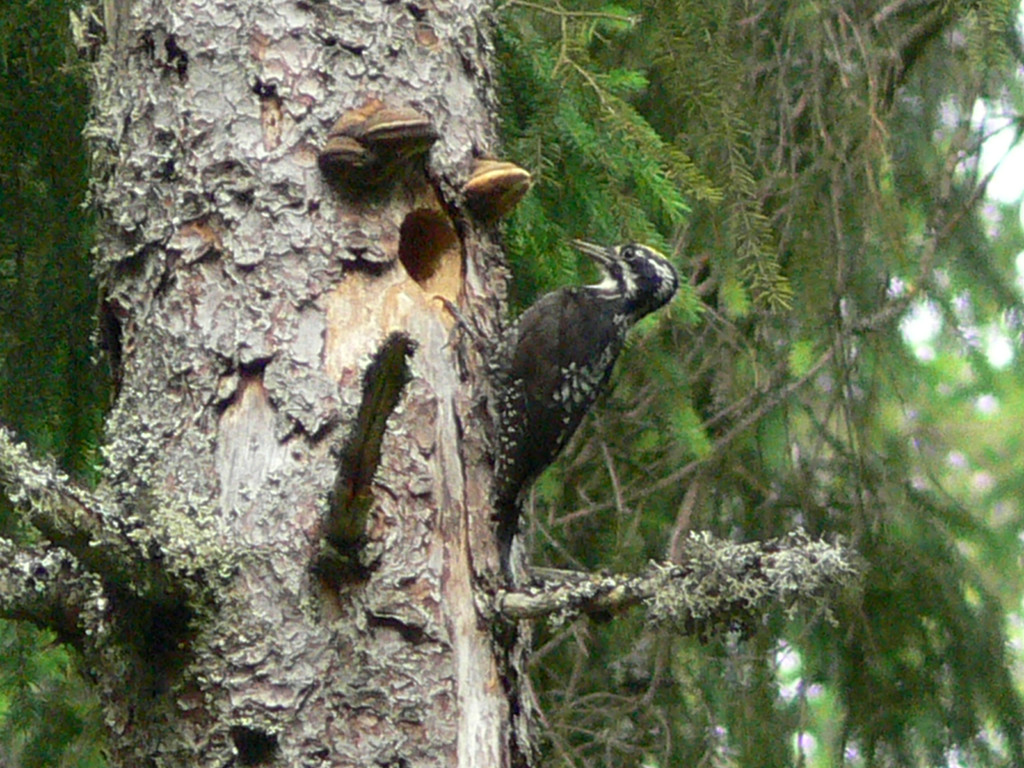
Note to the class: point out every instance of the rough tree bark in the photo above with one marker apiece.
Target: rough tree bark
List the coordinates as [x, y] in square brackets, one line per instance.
[244, 300]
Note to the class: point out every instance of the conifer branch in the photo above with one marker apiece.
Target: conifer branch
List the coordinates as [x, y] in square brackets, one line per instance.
[49, 588]
[562, 12]
[119, 548]
[716, 586]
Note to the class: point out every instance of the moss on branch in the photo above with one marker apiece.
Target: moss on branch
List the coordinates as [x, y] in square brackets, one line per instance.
[351, 498]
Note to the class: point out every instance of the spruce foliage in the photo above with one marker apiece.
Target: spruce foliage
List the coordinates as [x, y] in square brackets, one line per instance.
[813, 171]
[51, 391]
[49, 388]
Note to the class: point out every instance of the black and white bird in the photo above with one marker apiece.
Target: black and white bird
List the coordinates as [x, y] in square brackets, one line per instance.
[557, 359]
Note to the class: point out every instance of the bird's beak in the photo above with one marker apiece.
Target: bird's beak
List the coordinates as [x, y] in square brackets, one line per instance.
[605, 257]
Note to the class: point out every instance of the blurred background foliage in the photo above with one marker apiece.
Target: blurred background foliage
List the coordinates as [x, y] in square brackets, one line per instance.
[813, 170]
[51, 391]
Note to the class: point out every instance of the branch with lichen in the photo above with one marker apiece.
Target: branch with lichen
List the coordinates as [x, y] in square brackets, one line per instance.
[716, 585]
[49, 587]
[119, 548]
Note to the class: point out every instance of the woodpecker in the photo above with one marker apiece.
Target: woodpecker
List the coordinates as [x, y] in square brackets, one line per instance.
[555, 361]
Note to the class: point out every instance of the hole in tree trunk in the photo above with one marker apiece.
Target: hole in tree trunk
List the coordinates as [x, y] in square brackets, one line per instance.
[255, 747]
[429, 251]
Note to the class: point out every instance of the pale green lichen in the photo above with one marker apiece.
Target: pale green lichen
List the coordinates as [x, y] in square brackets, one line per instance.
[722, 585]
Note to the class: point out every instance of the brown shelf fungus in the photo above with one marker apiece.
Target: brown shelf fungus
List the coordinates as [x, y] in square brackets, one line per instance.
[495, 187]
[369, 147]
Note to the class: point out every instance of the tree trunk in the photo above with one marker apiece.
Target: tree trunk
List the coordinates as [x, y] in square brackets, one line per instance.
[246, 296]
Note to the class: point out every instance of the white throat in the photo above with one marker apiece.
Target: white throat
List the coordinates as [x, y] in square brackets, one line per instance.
[611, 287]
